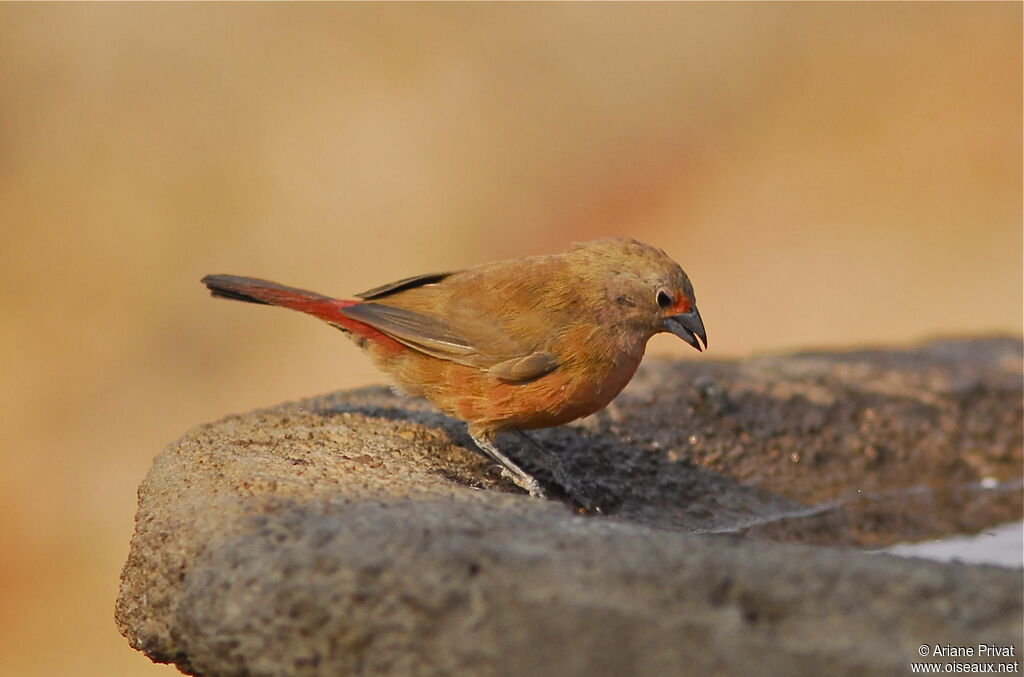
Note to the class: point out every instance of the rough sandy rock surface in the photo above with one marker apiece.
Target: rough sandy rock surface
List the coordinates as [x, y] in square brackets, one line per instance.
[358, 533]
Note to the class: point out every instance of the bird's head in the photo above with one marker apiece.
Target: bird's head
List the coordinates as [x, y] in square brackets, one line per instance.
[645, 289]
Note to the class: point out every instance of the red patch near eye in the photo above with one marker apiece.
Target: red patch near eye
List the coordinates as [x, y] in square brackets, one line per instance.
[683, 305]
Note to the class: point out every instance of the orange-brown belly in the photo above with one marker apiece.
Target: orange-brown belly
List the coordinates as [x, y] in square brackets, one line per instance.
[488, 403]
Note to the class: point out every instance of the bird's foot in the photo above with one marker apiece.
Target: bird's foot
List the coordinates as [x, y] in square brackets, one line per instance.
[524, 481]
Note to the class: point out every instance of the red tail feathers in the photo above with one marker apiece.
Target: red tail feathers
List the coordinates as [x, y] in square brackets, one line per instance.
[253, 290]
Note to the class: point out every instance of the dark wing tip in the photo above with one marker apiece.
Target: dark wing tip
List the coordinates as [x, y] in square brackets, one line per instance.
[402, 285]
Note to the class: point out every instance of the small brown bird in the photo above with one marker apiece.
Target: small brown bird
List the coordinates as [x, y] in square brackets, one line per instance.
[511, 345]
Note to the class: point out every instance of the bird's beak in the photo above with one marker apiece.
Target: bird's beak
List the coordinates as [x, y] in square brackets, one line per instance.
[689, 327]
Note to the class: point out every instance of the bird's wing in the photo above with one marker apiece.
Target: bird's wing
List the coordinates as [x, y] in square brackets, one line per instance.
[500, 318]
[437, 338]
[423, 332]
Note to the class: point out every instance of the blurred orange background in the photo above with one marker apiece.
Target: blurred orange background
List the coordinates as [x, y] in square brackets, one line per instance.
[828, 174]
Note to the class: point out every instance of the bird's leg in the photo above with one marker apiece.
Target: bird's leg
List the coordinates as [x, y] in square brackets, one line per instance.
[553, 463]
[509, 468]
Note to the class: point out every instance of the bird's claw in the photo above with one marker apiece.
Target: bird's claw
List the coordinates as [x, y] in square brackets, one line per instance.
[525, 482]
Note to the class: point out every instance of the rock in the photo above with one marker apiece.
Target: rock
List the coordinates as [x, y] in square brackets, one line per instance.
[358, 533]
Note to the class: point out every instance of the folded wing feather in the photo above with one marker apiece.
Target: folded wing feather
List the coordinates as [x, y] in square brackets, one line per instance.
[444, 315]
[434, 337]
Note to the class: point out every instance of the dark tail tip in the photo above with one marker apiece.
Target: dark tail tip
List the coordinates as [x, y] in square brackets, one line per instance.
[233, 287]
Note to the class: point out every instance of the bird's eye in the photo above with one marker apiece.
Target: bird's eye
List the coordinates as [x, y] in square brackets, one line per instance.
[664, 300]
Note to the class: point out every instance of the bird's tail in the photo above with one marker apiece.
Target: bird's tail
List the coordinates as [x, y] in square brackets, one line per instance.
[252, 290]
